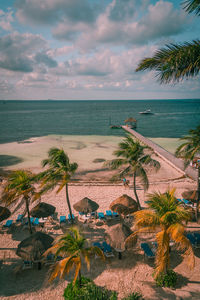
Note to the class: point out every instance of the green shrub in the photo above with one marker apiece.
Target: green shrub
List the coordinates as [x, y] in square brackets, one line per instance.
[133, 296]
[88, 291]
[168, 279]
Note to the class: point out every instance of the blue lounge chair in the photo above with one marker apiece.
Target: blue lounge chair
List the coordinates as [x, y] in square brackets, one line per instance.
[8, 223]
[107, 250]
[69, 217]
[147, 250]
[19, 218]
[109, 213]
[101, 216]
[116, 215]
[191, 238]
[63, 219]
[27, 264]
[197, 238]
[98, 244]
[36, 222]
[187, 202]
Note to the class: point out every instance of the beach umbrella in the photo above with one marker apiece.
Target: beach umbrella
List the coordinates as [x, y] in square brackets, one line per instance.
[130, 120]
[4, 213]
[124, 205]
[42, 210]
[34, 246]
[190, 195]
[117, 235]
[86, 205]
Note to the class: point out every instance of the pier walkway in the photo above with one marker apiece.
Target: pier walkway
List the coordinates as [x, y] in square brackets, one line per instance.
[164, 154]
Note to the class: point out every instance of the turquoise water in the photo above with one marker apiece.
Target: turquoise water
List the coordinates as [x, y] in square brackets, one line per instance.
[20, 120]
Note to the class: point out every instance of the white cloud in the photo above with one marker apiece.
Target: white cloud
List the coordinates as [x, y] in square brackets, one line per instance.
[6, 19]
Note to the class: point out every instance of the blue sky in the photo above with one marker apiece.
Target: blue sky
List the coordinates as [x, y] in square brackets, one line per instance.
[89, 49]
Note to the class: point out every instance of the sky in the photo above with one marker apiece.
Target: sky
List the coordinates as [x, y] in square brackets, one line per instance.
[89, 49]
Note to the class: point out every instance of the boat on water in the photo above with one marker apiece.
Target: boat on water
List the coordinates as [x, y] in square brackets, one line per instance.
[146, 112]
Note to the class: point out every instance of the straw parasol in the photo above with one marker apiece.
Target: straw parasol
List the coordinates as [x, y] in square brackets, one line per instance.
[190, 195]
[130, 120]
[4, 213]
[34, 246]
[124, 205]
[117, 235]
[42, 210]
[86, 205]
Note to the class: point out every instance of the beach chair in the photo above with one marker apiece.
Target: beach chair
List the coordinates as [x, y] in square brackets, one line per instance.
[62, 219]
[36, 222]
[19, 218]
[191, 238]
[109, 213]
[8, 224]
[27, 264]
[69, 217]
[147, 250]
[197, 239]
[98, 244]
[107, 250]
[49, 259]
[101, 215]
[115, 214]
[187, 202]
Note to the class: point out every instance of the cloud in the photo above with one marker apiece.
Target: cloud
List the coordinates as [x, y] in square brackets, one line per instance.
[6, 18]
[24, 52]
[52, 11]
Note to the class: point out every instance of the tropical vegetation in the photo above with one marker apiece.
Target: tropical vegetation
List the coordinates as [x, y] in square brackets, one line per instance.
[188, 150]
[19, 190]
[176, 61]
[133, 159]
[71, 247]
[58, 173]
[167, 219]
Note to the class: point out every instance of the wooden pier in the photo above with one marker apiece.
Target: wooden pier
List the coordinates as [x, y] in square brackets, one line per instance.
[165, 155]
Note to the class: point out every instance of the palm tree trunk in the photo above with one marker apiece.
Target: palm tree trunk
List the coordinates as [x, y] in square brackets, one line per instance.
[134, 188]
[29, 221]
[68, 203]
[198, 195]
[79, 278]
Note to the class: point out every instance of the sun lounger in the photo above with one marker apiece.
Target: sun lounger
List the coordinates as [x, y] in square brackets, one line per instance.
[191, 238]
[36, 222]
[147, 250]
[8, 224]
[115, 215]
[187, 202]
[19, 218]
[197, 238]
[101, 216]
[69, 217]
[63, 219]
[107, 250]
[98, 244]
[27, 264]
[109, 213]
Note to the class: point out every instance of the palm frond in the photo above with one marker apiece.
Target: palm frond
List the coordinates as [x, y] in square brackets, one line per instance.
[174, 62]
[191, 6]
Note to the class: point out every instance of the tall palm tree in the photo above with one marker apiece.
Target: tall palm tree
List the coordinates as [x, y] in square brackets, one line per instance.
[166, 218]
[176, 61]
[72, 245]
[20, 190]
[59, 172]
[132, 155]
[188, 150]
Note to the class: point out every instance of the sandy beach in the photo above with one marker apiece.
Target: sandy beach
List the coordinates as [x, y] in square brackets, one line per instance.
[131, 273]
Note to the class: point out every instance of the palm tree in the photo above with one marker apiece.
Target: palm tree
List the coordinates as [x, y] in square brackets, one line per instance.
[72, 245]
[176, 61]
[166, 218]
[20, 190]
[187, 151]
[59, 172]
[131, 155]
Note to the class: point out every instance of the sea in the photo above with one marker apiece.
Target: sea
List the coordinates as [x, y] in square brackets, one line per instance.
[22, 120]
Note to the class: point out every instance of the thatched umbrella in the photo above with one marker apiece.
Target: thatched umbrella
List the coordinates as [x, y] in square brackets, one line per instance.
[4, 213]
[86, 206]
[116, 236]
[42, 210]
[130, 120]
[124, 205]
[34, 246]
[190, 195]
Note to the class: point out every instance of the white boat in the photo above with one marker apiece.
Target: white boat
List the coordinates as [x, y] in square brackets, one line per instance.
[146, 112]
